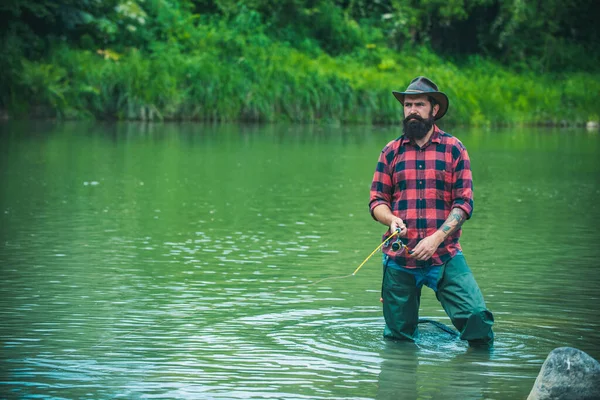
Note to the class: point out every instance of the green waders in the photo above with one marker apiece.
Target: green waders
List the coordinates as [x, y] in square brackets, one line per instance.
[458, 293]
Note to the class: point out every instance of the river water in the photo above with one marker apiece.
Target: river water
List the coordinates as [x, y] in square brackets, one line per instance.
[189, 261]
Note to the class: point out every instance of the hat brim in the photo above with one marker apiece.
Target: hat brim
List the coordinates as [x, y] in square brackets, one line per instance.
[440, 98]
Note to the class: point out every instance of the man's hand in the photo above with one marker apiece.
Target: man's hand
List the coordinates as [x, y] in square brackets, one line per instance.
[397, 223]
[383, 214]
[426, 247]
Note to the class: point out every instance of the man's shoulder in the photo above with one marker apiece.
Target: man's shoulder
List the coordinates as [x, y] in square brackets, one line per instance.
[392, 145]
[450, 140]
[390, 150]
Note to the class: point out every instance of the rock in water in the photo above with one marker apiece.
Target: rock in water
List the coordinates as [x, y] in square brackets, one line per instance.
[567, 373]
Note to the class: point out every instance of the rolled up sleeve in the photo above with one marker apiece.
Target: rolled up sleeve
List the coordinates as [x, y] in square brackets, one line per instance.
[462, 185]
[381, 187]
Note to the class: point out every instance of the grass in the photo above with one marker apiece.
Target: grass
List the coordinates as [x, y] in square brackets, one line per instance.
[224, 75]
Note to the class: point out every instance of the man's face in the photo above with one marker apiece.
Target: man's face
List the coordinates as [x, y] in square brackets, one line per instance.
[418, 116]
[417, 105]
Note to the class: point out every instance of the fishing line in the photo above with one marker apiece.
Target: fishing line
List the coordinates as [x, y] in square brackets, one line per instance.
[397, 243]
[313, 283]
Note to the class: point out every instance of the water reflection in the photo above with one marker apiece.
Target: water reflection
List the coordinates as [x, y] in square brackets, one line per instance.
[430, 367]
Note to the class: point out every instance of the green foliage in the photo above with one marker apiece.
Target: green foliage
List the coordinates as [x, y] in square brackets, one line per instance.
[554, 35]
[45, 84]
[296, 60]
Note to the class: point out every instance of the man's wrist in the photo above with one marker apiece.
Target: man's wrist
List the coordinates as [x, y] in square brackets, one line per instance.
[439, 236]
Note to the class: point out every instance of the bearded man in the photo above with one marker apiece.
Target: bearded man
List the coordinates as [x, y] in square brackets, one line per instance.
[423, 188]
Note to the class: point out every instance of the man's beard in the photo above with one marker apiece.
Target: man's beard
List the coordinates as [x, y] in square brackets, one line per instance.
[416, 127]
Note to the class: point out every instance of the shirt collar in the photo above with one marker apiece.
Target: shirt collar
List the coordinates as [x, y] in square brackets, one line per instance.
[435, 137]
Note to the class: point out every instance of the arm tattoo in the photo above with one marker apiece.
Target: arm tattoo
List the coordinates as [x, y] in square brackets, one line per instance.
[459, 215]
[454, 221]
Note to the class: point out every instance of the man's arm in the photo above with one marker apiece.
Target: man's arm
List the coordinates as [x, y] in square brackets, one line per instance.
[381, 193]
[383, 214]
[426, 247]
[453, 223]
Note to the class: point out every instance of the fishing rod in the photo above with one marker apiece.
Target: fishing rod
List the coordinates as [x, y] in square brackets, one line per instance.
[397, 245]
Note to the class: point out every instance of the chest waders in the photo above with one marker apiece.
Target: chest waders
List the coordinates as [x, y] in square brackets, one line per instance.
[458, 293]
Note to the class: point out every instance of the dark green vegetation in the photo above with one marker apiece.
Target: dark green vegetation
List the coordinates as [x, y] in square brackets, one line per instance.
[500, 62]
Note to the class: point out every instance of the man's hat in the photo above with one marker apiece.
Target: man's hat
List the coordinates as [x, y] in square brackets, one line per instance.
[422, 85]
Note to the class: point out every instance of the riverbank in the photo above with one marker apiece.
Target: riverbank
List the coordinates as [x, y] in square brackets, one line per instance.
[223, 73]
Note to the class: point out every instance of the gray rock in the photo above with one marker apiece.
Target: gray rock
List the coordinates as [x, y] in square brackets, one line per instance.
[568, 374]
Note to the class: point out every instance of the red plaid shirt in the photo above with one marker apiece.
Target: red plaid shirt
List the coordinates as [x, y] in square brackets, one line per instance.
[421, 186]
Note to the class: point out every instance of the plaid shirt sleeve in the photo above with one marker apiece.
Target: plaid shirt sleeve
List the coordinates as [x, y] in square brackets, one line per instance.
[381, 187]
[462, 185]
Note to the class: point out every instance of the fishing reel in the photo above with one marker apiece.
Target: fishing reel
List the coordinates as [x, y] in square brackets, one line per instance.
[398, 243]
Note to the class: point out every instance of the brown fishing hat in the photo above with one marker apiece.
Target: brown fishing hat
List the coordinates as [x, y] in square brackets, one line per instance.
[422, 85]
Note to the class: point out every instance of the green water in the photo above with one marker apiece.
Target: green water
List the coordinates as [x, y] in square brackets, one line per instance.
[183, 261]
